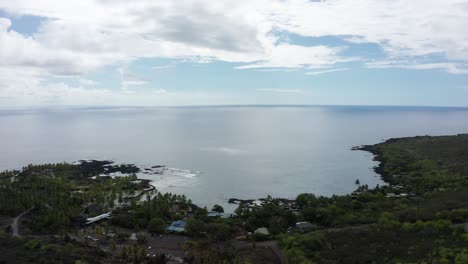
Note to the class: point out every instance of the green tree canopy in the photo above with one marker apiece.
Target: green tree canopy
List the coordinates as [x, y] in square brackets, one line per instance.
[156, 225]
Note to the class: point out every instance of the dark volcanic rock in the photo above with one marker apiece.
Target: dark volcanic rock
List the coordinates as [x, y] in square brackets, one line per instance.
[96, 167]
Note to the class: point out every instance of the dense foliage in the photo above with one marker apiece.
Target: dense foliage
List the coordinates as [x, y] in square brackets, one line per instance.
[417, 218]
[37, 251]
[56, 194]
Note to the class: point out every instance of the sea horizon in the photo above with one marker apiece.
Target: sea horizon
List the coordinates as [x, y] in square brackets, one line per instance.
[97, 107]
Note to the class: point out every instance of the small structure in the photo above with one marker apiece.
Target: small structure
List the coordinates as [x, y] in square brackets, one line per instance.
[257, 203]
[262, 231]
[177, 226]
[97, 218]
[304, 227]
[174, 209]
[139, 236]
[191, 208]
[391, 195]
[227, 215]
[214, 214]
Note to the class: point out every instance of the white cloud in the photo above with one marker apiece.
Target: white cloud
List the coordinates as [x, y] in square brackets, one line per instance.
[114, 31]
[130, 79]
[159, 91]
[400, 27]
[133, 82]
[276, 70]
[274, 90]
[162, 67]
[453, 68]
[294, 56]
[87, 82]
[223, 150]
[79, 37]
[326, 71]
[103, 32]
[36, 93]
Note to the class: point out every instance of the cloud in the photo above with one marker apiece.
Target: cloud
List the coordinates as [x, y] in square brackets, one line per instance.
[326, 71]
[276, 70]
[295, 56]
[87, 82]
[162, 67]
[36, 93]
[280, 90]
[75, 38]
[159, 91]
[130, 79]
[223, 150]
[18, 51]
[133, 82]
[453, 68]
[401, 28]
[105, 32]
[114, 32]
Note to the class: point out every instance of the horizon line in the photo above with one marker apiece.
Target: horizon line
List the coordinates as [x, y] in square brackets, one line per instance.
[45, 107]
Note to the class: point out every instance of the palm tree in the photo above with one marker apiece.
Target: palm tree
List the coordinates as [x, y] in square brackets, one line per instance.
[357, 182]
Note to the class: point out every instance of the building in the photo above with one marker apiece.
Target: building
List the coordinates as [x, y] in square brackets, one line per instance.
[174, 209]
[177, 226]
[214, 214]
[262, 231]
[98, 218]
[304, 227]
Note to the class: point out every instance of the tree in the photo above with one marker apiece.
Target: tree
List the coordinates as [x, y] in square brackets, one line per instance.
[156, 225]
[462, 257]
[357, 182]
[306, 199]
[195, 227]
[218, 231]
[218, 208]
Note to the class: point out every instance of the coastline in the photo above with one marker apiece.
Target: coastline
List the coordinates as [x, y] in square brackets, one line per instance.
[424, 202]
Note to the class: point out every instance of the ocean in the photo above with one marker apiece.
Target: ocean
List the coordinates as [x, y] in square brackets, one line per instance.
[212, 154]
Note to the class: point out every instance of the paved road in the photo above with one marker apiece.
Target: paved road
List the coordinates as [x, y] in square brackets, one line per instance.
[165, 244]
[16, 221]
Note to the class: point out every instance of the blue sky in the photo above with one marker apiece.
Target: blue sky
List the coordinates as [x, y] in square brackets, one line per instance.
[197, 53]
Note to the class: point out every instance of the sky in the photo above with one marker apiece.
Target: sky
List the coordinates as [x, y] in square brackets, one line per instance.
[252, 52]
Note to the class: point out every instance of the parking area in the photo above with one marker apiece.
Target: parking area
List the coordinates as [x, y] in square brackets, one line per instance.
[173, 246]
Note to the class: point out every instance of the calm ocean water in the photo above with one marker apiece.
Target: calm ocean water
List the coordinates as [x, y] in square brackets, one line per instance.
[241, 152]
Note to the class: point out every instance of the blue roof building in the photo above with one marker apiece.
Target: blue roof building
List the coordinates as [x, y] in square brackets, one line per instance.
[177, 226]
[214, 214]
